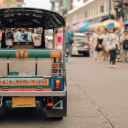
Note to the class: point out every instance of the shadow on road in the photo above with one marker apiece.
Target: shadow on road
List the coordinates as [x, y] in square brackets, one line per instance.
[25, 116]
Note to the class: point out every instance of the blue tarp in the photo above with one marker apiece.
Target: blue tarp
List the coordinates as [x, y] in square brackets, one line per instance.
[84, 27]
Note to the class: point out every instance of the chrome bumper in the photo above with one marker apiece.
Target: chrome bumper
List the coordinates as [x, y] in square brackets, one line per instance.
[33, 93]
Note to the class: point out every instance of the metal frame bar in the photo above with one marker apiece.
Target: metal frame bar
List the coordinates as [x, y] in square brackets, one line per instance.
[64, 51]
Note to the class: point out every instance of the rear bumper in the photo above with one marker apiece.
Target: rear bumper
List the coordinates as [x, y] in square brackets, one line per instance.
[33, 93]
[83, 49]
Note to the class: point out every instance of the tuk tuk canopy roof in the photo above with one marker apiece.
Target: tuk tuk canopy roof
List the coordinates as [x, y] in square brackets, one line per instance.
[30, 18]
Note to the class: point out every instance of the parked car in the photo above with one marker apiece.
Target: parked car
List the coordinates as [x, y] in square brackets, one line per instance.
[80, 45]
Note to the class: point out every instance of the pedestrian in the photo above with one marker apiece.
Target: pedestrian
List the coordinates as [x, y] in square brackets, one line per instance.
[93, 44]
[17, 34]
[114, 43]
[105, 51]
[24, 36]
[69, 41]
[123, 38]
[99, 46]
[59, 38]
[36, 38]
[9, 37]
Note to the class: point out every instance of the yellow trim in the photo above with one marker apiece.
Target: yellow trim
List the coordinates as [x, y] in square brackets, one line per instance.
[18, 55]
[25, 54]
[55, 54]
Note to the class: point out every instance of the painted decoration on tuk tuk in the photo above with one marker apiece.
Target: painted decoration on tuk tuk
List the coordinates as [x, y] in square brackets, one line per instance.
[24, 81]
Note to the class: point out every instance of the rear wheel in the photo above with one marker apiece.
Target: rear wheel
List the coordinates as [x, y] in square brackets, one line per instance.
[54, 118]
[86, 54]
[2, 111]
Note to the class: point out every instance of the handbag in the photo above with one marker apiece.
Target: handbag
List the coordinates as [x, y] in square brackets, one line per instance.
[125, 45]
[71, 41]
[100, 46]
[111, 46]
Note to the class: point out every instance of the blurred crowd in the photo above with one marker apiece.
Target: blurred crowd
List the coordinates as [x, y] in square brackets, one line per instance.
[21, 35]
[108, 44]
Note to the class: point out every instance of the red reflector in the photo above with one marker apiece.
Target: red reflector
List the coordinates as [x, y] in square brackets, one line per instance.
[54, 65]
[55, 70]
[49, 104]
[57, 84]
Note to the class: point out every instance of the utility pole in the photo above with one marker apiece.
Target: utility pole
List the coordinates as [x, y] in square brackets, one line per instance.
[110, 8]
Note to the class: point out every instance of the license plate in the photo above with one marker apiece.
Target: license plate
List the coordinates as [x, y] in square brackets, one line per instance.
[21, 102]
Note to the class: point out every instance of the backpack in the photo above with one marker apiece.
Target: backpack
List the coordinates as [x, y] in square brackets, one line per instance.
[9, 35]
[125, 45]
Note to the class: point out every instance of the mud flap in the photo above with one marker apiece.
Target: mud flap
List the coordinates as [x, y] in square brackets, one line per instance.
[59, 109]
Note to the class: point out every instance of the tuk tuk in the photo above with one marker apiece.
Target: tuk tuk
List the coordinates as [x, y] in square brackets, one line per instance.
[32, 75]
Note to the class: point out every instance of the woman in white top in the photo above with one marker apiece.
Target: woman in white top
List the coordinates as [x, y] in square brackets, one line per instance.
[113, 39]
[93, 44]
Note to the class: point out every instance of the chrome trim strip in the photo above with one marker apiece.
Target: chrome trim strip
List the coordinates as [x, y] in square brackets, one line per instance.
[32, 93]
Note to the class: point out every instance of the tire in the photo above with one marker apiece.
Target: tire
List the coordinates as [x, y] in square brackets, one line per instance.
[1, 111]
[86, 54]
[54, 118]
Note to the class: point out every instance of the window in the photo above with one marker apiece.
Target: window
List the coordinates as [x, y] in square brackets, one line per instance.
[102, 9]
[86, 14]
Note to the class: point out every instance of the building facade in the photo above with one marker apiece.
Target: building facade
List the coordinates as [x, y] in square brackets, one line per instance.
[11, 3]
[92, 11]
[63, 6]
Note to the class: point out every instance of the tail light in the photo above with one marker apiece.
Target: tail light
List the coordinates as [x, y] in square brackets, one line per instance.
[57, 85]
[55, 66]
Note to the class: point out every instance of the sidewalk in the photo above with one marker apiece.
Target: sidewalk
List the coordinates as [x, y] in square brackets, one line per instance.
[81, 111]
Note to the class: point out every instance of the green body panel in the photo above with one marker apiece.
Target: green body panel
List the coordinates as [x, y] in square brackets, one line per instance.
[38, 54]
[7, 54]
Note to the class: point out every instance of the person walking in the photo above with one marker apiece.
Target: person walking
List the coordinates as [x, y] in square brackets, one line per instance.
[114, 44]
[99, 47]
[59, 38]
[123, 38]
[93, 44]
[105, 52]
[69, 41]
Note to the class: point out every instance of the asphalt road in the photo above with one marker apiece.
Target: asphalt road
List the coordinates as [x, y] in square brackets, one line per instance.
[107, 88]
[82, 111]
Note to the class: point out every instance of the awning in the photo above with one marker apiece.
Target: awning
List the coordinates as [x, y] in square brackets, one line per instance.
[78, 25]
[93, 26]
[84, 27]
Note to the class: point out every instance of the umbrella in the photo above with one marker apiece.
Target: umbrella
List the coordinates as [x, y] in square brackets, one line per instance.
[110, 21]
[84, 27]
[78, 25]
[110, 25]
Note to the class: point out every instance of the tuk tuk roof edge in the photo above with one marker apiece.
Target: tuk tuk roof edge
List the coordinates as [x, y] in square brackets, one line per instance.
[30, 17]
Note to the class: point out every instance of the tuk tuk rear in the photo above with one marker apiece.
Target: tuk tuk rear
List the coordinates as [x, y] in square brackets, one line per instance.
[32, 75]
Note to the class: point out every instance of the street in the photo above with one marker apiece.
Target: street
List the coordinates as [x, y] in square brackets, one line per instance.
[106, 87]
[96, 99]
